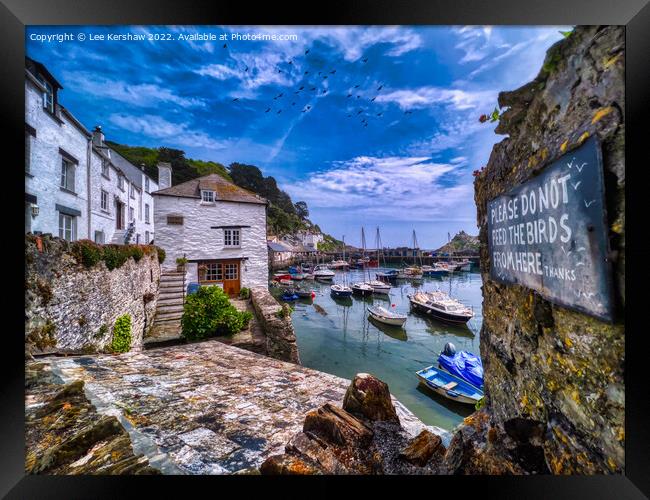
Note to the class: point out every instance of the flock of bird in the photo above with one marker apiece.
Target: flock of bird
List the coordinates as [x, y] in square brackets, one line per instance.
[284, 101]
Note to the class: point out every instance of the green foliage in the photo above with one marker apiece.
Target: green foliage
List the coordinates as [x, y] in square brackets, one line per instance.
[301, 210]
[285, 311]
[565, 34]
[136, 252]
[208, 312]
[101, 333]
[209, 167]
[181, 261]
[161, 255]
[122, 334]
[329, 244]
[480, 403]
[115, 256]
[87, 252]
[245, 293]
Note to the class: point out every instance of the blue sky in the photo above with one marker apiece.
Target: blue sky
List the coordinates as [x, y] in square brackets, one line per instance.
[402, 161]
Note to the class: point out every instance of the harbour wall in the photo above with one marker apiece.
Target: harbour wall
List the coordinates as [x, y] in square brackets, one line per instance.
[72, 308]
[554, 377]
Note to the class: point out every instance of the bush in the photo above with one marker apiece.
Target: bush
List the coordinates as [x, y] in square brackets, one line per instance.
[245, 293]
[208, 312]
[87, 252]
[122, 334]
[136, 252]
[161, 255]
[181, 261]
[115, 256]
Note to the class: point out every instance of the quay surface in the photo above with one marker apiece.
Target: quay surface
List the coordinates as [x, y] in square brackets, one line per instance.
[208, 408]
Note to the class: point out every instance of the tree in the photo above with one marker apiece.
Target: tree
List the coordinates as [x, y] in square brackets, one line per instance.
[301, 210]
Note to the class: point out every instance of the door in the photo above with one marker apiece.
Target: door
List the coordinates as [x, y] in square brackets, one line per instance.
[119, 215]
[231, 277]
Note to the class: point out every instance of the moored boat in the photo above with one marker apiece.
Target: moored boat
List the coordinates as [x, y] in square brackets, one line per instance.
[289, 296]
[322, 273]
[440, 306]
[379, 286]
[338, 264]
[387, 317]
[462, 364]
[449, 386]
[339, 290]
[362, 289]
[435, 270]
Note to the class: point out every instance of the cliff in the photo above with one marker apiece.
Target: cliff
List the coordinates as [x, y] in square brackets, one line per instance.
[553, 377]
[461, 243]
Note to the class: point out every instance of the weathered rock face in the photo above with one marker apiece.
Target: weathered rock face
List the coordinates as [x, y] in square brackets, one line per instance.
[71, 308]
[334, 441]
[65, 435]
[370, 398]
[554, 377]
[280, 336]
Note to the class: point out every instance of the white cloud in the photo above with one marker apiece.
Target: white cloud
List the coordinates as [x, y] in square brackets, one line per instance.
[426, 97]
[139, 94]
[174, 134]
[386, 187]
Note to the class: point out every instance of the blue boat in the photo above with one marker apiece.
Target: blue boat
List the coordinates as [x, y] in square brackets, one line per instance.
[289, 296]
[449, 386]
[389, 276]
[462, 364]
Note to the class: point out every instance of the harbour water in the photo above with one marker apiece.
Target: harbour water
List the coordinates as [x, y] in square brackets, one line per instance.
[335, 336]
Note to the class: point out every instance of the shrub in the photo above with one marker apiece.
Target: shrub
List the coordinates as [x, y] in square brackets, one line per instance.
[181, 261]
[122, 334]
[208, 312]
[115, 256]
[87, 252]
[136, 252]
[245, 293]
[285, 311]
[161, 255]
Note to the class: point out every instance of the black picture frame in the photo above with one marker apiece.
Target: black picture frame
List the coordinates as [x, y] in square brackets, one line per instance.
[634, 14]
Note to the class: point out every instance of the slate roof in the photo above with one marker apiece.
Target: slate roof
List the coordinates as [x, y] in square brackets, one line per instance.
[225, 191]
[278, 247]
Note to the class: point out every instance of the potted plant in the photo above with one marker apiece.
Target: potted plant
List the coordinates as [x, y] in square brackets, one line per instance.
[180, 264]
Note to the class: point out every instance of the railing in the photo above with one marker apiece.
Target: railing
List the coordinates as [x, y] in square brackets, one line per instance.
[184, 256]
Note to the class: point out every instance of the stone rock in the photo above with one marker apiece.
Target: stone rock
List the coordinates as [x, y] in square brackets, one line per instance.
[289, 465]
[369, 397]
[422, 448]
[280, 335]
[336, 426]
[316, 450]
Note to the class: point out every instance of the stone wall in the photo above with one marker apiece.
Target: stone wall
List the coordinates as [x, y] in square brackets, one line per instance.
[70, 308]
[554, 377]
[280, 336]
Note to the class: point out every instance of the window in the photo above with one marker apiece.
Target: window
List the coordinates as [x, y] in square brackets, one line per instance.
[231, 237]
[137, 238]
[146, 213]
[232, 271]
[120, 182]
[67, 175]
[48, 96]
[146, 184]
[104, 198]
[99, 237]
[67, 227]
[28, 150]
[211, 271]
[131, 214]
[105, 168]
[139, 206]
[207, 196]
[175, 219]
[132, 192]
[147, 240]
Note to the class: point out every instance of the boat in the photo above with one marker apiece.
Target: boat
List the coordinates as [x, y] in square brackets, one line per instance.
[289, 296]
[379, 286]
[387, 317]
[362, 289]
[285, 282]
[389, 276]
[412, 272]
[449, 386]
[462, 364]
[435, 270]
[305, 294]
[440, 306]
[322, 273]
[339, 290]
[282, 276]
[338, 264]
[297, 276]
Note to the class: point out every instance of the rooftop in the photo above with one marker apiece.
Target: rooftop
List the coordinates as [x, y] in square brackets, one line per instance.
[225, 191]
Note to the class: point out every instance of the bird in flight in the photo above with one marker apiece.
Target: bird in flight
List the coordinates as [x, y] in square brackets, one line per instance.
[319, 72]
[408, 112]
[364, 60]
[332, 72]
[279, 111]
[301, 87]
[313, 88]
[373, 99]
[380, 87]
[379, 114]
[290, 62]
[349, 95]
[306, 51]
[324, 91]
[325, 77]
[358, 97]
[306, 72]
[269, 109]
[225, 45]
[293, 103]
[279, 71]
[246, 69]
[356, 86]
[349, 116]
[235, 99]
[360, 111]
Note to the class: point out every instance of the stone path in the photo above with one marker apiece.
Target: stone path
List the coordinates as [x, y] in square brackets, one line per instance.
[208, 408]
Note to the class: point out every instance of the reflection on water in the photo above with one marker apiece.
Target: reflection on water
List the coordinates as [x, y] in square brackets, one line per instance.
[336, 336]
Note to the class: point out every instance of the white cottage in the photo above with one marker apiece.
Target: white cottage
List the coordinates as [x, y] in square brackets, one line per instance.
[217, 226]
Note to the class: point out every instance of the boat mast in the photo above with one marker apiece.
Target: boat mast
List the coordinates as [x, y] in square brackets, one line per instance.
[363, 251]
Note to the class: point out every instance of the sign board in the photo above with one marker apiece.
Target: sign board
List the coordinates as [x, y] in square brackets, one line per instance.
[550, 234]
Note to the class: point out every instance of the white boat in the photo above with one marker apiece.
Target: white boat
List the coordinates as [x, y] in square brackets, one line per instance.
[339, 290]
[440, 306]
[379, 286]
[362, 289]
[387, 317]
[338, 264]
[321, 272]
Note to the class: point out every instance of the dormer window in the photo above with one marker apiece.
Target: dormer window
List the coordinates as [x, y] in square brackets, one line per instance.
[105, 168]
[207, 196]
[48, 95]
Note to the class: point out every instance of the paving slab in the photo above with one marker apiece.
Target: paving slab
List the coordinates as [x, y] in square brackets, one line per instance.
[208, 408]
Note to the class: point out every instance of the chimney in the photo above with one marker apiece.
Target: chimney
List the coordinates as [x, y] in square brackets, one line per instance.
[164, 175]
[98, 137]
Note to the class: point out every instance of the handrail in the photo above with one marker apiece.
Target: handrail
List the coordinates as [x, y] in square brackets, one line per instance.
[184, 256]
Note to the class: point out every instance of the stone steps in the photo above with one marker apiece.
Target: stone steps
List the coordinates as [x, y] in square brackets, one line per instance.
[166, 278]
[170, 300]
[169, 308]
[168, 316]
